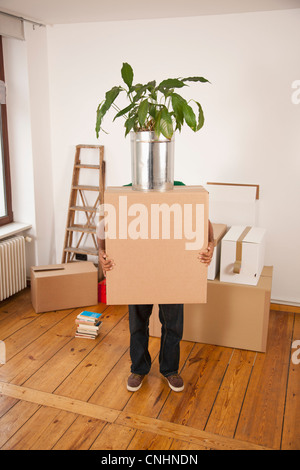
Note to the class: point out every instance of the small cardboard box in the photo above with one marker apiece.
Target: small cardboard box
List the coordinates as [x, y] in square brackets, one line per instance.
[62, 286]
[235, 315]
[242, 255]
[155, 244]
[214, 267]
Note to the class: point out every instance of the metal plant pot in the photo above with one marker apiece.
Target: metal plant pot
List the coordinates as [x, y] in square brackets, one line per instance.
[152, 162]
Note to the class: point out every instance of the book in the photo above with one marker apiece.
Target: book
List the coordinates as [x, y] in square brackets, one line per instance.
[89, 328]
[88, 324]
[80, 335]
[89, 316]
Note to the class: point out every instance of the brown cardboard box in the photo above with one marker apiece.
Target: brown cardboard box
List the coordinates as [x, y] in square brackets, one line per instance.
[235, 315]
[62, 286]
[154, 264]
[214, 267]
[242, 255]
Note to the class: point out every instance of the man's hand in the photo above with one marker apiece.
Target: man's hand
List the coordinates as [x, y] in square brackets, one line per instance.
[206, 255]
[106, 264]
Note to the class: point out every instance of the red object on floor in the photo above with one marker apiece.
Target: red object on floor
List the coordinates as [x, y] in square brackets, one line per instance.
[102, 291]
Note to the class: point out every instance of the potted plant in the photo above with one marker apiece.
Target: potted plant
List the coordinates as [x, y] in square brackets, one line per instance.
[152, 116]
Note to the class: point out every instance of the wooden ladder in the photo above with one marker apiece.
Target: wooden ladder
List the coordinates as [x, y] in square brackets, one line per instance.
[78, 204]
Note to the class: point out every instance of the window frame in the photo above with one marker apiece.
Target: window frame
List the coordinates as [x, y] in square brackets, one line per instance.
[8, 218]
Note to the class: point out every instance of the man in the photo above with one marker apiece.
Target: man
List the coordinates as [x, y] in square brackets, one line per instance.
[171, 318]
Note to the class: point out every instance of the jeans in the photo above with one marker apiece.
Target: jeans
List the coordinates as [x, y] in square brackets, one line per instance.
[171, 318]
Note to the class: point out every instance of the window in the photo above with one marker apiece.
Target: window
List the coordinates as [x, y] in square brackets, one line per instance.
[6, 215]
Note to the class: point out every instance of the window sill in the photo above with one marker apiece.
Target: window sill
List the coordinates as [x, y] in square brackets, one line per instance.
[12, 229]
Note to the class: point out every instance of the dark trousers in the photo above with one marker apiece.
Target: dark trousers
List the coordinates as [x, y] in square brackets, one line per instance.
[171, 318]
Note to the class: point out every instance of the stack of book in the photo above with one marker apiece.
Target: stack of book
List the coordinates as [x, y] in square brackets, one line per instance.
[88, 325]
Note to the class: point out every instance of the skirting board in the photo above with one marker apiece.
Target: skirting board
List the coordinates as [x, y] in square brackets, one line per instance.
[283, 307]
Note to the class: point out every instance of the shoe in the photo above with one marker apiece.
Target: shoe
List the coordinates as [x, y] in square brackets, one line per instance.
[175, 382]
[134, 382]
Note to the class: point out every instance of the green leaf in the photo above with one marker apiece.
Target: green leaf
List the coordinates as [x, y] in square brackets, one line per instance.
[152, 111]
[143, 111]
[166, 123]
[99, 119]
[127, 74]
[136, 87]
[200, 116]
[151, 85]
[157, 124]
[190, 117]
[110, 97]
[140, 89]
[178, 103]
[195, 79]
[129, 125]
[124, 111]
[171, 83]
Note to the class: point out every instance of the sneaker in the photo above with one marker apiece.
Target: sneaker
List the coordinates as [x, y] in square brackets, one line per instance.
[175, 382]
[134, 382]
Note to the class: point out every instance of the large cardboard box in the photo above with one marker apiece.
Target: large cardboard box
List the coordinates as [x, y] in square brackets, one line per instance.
[154, 239]
[235, 315]
[214, 267]
[242, 255]
[62, 286]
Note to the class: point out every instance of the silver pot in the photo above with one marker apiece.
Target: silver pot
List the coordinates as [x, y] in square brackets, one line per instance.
[152, 162]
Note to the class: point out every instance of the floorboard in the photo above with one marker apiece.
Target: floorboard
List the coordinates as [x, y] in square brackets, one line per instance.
[61, 392]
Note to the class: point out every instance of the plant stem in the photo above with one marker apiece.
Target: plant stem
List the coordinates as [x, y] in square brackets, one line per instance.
[116, 108]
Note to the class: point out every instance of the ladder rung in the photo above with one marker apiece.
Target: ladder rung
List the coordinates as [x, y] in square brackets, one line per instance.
[86, 187]
[89, 146]
[82, 251]
[74, 228]
[84, 208]
[84, 165]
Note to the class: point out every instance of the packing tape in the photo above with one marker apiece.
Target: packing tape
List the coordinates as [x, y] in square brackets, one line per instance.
[239, 247]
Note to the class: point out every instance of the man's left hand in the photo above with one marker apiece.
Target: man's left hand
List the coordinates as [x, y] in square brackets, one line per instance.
[206, 255]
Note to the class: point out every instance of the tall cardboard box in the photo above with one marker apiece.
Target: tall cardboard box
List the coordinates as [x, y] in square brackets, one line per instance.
[242, 255]
[62, 286]
[214, 267]
[154, 239]
[235, 315]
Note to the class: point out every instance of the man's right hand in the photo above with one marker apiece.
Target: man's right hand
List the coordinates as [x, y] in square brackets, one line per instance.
[106, 264]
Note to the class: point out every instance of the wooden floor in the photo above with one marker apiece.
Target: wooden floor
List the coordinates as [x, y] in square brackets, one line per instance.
[61, 392]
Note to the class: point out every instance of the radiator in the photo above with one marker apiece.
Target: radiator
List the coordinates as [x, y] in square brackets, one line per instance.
[12, 266]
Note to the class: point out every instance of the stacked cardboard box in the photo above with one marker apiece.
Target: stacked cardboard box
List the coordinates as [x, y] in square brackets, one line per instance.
[235, 315]
[242, 255]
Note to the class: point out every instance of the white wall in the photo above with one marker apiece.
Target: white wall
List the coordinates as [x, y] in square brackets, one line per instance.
[26, 70]
[251, 133]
